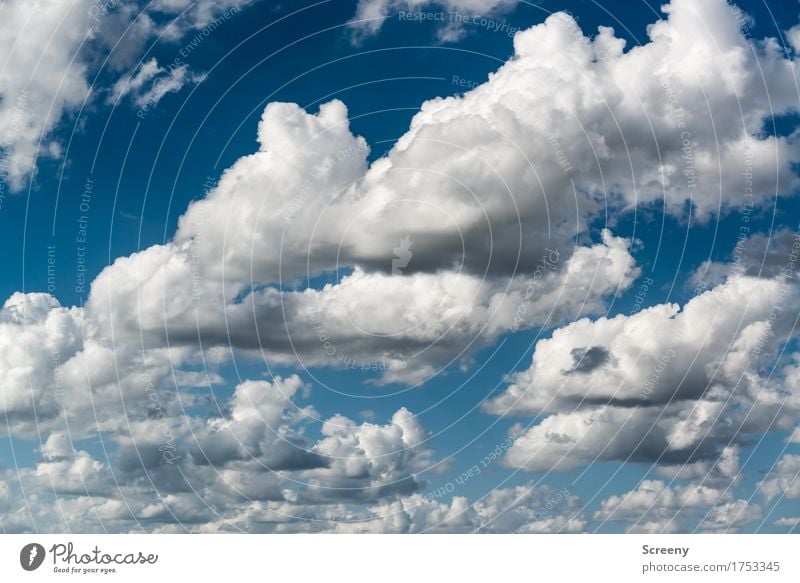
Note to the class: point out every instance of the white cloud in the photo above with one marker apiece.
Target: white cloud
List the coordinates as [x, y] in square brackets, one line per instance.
[670, 385]
[51, 50]
[724, 471]
[40, 79]
[368, 461]
[342, 212]
[782, 480]
[730, 516]
[65, 472]
[525, 508]
[36, 335]
[655, 497]
[488, 180]
[184, 471]
[404, 326]
[187, 15]
[258, 429]
[659, 355]
[482, 187]
[371, 14]
[150, 82]
[656, 507]
[252, 468]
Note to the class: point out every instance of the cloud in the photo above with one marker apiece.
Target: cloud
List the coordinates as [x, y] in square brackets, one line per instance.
[64, 471]
[653, 496]
[187, 15]
[526, 508]
[36, 335]
[529, 509]
[368, 461]
[150, 82]
[62, 372]
[706, 504]
[257, 429]
[722, 471]
[730, 516]
[759, 255]
[782, 480]
[40, 80]
[307, 202]
[371, 14]
[660, 355]
[487, 181]
[585, 360]
[5, 496]
[365, 477]
[405, 327]
[679, 384]
[496, 189]
[184, 470]
[52, 49]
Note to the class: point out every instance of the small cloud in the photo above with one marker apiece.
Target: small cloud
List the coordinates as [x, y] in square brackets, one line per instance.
[792, 521]
[586, 360]
[148, 84]
[452, 15]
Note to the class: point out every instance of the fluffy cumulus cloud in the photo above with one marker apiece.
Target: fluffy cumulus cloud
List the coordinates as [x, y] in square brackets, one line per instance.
[61, 372]
[699, 497]
[407, 326]
[674, 385]
[502, 192]
[523, 509]
[253, 468]
[487, 181]
[653, 505]
[51, 50]
[35, 334]
[757, 255]
[253, 452]
[624, 361]
[782, 480]
[474, 225]
[39, 79]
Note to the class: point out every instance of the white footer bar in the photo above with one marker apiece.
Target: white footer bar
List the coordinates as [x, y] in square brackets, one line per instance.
[400, 558]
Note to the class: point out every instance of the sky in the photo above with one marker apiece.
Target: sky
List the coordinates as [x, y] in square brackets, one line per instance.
[399, 266]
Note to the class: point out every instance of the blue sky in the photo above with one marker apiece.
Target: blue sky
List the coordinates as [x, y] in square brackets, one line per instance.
[144, 166]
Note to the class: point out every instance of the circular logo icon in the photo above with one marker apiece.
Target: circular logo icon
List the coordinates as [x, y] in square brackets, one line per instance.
[31, 556]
